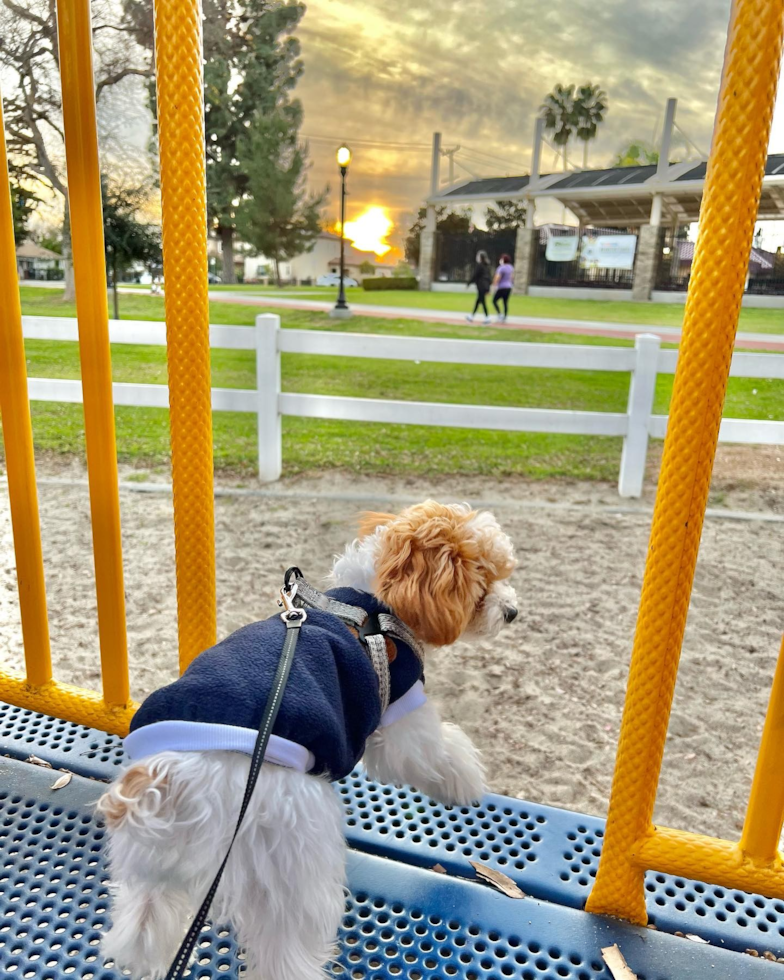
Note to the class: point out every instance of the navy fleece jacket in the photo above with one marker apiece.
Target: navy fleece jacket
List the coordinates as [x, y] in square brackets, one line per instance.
[331, 704]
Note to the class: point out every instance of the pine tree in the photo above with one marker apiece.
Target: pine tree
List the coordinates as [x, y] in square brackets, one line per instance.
[252, 64]
[277, 215]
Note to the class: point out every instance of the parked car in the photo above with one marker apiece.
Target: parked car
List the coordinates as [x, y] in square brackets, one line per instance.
[213, 278]
[333, 279]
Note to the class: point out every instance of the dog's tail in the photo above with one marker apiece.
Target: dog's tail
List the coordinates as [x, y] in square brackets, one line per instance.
[141, 797]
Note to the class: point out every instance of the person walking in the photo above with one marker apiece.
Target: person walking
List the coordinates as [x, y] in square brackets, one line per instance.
[481, 278]
[503, 282]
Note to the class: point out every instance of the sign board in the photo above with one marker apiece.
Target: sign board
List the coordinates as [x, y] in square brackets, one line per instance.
[608, 252]
[561, 248]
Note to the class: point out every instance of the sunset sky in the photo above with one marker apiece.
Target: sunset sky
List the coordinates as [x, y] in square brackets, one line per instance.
[396, 70]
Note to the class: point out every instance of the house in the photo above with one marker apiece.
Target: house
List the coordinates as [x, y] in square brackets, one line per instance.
[324, 258]
[36, 262]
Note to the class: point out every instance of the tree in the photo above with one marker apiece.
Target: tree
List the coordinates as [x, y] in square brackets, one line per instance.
[278, 216]
[570, 113]
[29, 56]
[249, 73]
[126, 238]
[560, 117]
[367, 268]
[638, 153]
[22, 206]
[251, 64]
[53, 242]
[505, 215]
[590, 110]
[402, 270]
[451, 222]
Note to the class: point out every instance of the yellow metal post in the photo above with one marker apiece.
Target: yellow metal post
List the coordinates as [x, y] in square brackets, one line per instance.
[84, 196]
[68, 702]
[765, 813]
[729, 210]
[19, 458]
[178, 57]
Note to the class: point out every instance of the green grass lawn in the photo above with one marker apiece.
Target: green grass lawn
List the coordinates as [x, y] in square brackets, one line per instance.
[142, 434]
[655, 314]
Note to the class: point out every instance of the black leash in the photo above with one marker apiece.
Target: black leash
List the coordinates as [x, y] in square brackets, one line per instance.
[293, 618]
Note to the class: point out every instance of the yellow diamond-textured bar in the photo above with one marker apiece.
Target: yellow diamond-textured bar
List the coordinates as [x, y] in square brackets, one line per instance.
[717, 862]
[75, 704]
[178, 56]
[729, 209]
[765, 813]
[19, 458]
[84, 197]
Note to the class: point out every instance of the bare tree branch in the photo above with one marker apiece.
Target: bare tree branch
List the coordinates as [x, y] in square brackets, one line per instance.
[118, 76]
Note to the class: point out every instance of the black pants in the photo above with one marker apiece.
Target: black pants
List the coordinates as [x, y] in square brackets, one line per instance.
[480, 300]
[502, 294]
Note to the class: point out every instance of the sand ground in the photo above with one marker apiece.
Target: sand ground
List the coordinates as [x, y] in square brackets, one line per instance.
[543, 701]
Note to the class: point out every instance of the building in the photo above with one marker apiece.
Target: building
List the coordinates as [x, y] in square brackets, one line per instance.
[324, 258]
[36, 262]
[628, 223]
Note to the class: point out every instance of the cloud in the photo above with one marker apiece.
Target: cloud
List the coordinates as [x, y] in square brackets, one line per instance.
[478, 71]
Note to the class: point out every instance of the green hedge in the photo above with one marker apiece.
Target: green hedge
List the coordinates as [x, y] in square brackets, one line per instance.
[394, 282]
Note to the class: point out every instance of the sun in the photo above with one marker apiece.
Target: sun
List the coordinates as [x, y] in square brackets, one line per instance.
[369, 231]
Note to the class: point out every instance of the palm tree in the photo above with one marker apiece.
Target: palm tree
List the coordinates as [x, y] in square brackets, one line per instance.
[590, 107]
[558, 110]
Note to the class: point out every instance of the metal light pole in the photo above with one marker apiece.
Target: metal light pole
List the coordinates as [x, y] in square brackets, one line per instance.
[341, 310]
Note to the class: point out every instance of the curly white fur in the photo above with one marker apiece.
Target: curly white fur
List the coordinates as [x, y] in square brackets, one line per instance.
[164, 857]
[436, 757]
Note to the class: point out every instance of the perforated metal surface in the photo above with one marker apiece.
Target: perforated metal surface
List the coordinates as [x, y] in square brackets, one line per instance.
[400, 921]
[82, 750]
[552, 854]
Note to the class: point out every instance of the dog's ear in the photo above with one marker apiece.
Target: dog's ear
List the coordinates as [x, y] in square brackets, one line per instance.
[428, 571]
[369, 521]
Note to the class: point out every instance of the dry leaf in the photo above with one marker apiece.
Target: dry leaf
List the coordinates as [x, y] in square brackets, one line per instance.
[63, 780]
[439, 868]
[501, 881]
[753, 952]
[616, 964]
[696, 939]
[38, 762]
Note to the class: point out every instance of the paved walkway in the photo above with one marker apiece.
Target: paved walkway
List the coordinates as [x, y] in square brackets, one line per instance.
[593, 328]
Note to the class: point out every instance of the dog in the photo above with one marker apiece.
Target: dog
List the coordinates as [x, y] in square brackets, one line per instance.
[443, 571]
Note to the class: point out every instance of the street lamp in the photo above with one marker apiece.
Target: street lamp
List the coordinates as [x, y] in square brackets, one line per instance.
[341, 309]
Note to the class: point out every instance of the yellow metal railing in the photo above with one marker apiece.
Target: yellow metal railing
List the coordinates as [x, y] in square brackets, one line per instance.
[729, 208]
[18, 440]
[178, 56]
[180, 104]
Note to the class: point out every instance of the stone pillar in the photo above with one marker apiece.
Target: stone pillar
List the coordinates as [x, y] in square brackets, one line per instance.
[646, 265]
[427, 250]
[526, 247]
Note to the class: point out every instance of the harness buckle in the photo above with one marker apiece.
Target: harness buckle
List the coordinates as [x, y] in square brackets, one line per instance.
[293, 617]
[371, 627]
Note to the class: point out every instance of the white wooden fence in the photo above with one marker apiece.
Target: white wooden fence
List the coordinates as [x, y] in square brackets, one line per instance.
[269, 403]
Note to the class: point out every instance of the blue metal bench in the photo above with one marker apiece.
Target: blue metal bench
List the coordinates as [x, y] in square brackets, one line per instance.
[400, 921]
[552, 854]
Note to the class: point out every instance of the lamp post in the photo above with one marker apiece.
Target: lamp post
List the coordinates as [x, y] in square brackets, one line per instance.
[341, 309]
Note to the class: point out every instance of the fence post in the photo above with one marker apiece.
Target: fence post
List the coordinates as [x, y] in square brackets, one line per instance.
[642, 388]
[267, 392]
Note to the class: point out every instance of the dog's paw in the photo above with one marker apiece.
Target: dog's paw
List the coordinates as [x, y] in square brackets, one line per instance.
[462, 773]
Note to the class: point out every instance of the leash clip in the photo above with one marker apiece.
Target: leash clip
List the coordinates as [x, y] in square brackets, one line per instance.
[292, 615]
[287, 594]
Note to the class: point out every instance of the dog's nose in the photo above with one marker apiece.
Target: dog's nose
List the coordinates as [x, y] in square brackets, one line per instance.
[510, 614]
